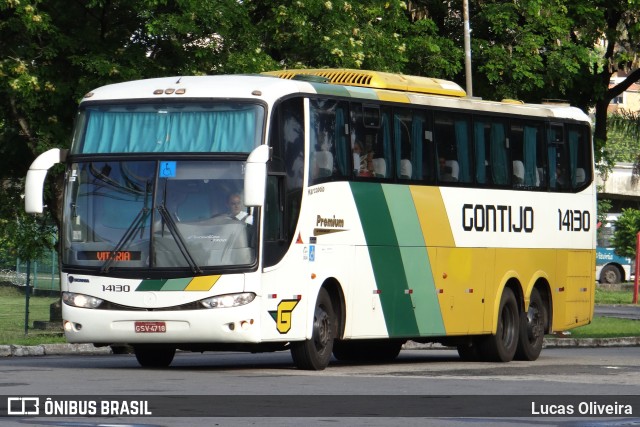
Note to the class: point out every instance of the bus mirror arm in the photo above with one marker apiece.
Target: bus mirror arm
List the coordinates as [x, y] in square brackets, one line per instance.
[34, 183]
[255, 176]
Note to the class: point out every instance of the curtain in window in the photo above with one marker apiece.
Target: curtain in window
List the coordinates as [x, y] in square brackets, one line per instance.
[551, 155]
[479, 145]
[341, 143]
[499, 167]
[530, 169]
[574, 140]
[462, 146]
[157, 132]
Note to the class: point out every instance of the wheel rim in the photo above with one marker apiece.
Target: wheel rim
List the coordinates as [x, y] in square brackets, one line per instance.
[321, 329]
[535, 328]
[610, 276]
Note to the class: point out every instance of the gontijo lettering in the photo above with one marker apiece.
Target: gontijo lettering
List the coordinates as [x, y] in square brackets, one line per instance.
[329, 222]
[497, 218]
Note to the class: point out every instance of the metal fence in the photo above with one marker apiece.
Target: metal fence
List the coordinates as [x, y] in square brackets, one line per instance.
[43, 274]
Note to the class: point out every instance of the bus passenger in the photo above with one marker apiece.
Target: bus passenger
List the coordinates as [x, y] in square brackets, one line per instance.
[362, 160]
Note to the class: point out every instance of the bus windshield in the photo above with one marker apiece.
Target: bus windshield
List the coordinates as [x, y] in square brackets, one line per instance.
[228, 127]
[157, 214]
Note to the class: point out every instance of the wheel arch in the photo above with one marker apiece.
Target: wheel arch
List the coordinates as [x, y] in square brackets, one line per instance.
[544, 289]
[333, 287]
[510, 280]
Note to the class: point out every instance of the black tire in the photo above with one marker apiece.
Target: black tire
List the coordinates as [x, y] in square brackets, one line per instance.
[502, 346]
[610, 274]
[154, 356]
[532, 327]
[367, 350]
[314, 354]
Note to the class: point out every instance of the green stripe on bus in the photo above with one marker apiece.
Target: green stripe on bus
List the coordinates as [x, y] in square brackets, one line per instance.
[415, 259]
[386, 259]
[151, 285]
[176, 284]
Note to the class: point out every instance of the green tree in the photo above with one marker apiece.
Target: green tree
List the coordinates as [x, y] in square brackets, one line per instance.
[623, 143]
[625, 235]
[613, 26]
[379, 35]
[525, 50]
[23, 236]
[53, 51]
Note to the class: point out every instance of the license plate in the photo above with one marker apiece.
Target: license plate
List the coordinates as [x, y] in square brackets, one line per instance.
[150, 327]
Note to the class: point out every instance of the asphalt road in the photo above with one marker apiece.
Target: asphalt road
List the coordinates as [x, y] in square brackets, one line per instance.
[248, 386]
[620, 311]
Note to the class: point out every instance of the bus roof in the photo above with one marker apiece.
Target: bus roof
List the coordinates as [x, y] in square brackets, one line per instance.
[377, 80]
[359, 84]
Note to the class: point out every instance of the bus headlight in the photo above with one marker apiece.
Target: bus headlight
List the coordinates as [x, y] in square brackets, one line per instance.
[80, 300]
[230, 300]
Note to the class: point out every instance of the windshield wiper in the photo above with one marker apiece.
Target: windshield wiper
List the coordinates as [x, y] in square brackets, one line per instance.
[126, 238]
[136, 224]
[173, 229]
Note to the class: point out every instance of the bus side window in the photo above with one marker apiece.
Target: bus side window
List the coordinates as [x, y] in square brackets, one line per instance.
[371, 141]
[558, 158]
[328, 135]
[454, 148]
[579, 156]
[423, 153]
[413, 146]
[525, 139]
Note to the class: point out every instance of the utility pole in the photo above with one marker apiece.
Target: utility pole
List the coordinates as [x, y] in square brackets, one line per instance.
[467, 47]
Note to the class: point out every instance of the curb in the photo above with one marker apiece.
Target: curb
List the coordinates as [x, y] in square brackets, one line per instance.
[90, 349]
[52, 350]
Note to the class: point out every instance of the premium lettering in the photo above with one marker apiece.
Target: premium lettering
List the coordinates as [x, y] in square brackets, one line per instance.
[329, 222]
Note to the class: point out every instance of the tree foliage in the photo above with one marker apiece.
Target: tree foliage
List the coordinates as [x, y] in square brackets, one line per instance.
[625, 235]
[22, 235]
[54, 51]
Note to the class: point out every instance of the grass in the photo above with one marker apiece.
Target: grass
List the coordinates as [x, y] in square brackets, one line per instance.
[12, 317]
[607, 327]
[620, 295]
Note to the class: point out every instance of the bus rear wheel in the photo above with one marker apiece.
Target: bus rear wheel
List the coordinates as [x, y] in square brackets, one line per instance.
[502, 346]
[532, 325]
[314, 354]
[154, 356]
[610, 275]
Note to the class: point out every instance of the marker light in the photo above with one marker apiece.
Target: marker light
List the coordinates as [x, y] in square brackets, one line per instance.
[80, 300]
[230, 300]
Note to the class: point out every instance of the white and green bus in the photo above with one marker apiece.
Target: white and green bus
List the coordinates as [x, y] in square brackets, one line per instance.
[329, 212]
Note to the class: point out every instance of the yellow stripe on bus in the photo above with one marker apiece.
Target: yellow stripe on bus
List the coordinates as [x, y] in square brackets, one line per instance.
[202, 283]
[432, 215]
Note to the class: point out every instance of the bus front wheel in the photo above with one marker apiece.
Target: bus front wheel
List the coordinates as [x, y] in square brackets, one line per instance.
[314, 354]
[502, 346]
[154, 356]
[532, 325]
